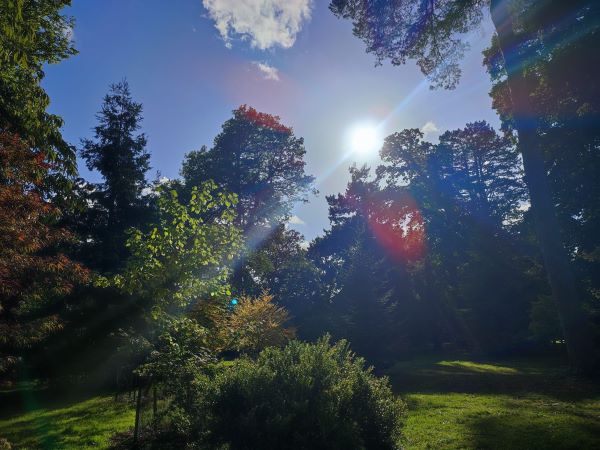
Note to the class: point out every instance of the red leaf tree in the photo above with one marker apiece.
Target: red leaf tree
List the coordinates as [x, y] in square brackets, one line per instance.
[34, 273]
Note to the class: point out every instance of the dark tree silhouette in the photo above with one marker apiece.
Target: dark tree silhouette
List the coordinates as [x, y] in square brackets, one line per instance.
[260, 160]
[430, 32]
[120, 155]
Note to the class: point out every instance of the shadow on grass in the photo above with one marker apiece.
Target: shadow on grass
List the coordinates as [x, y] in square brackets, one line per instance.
[51, 422]
[542, 427]
[484, 377]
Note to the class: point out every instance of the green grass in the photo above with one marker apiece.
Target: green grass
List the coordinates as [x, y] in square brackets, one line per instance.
[453, 404]
[58, 424]
[496, 405]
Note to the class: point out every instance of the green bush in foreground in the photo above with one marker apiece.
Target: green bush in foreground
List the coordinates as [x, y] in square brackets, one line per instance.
[317, 396]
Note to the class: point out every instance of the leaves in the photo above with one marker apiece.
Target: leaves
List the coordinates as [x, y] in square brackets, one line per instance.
[256, 323]
[183, 258]
[33, 271]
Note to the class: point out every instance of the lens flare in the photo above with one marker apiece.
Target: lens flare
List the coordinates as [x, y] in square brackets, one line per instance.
[399, 228]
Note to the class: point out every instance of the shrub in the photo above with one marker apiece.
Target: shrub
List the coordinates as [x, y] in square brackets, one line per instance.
[317, 396]
[255, 324]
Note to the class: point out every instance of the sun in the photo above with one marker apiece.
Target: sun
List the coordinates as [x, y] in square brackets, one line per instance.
[365, 140]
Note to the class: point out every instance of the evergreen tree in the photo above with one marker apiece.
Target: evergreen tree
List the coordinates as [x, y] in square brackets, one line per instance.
[119, 153]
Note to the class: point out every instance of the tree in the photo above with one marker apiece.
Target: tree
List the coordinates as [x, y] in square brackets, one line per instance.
[255, 324]
[364, 260]
[119, 154]
[475, 265]
[183, 259]
[34, 271]
[175, 281]
[262, 162]
[258, 159]
[279, 265]
[565, 99]
[430, 32]
[34, 33]
[427, 251]
[484, 170]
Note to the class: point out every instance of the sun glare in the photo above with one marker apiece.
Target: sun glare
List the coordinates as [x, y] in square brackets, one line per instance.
[365, 140]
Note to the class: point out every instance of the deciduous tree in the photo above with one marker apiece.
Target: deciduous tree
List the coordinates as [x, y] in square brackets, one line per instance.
[34, 272]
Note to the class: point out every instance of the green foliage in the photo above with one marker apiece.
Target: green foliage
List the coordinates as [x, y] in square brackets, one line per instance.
[258, 159]
[281, 266]
[316, 396]
[181, 352]
[183, 259]
[32, 34]
[120, 155]
[431, 33]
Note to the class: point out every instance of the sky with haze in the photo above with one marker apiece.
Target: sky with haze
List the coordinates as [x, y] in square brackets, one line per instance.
[191, 62]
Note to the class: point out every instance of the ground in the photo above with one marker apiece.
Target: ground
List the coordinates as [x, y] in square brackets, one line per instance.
[453, 404]
[34, 418]
[458, 404]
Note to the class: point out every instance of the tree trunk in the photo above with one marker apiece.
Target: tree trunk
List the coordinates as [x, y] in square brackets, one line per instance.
[154, 405]
[138, 409]
[576, 329]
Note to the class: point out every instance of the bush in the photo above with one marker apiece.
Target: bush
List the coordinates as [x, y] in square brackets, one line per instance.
[317, 396]
[255, 324]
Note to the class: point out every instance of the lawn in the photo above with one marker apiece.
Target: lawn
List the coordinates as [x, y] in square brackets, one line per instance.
[457, 404]
[43, 420]
[453, 404]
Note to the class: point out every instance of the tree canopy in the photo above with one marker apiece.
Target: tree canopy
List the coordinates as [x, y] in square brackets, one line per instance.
[258, 159]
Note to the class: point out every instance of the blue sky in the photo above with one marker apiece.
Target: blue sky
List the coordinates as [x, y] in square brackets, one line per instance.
[291, 58]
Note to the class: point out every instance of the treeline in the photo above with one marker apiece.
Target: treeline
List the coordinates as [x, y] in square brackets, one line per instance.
[440, 248]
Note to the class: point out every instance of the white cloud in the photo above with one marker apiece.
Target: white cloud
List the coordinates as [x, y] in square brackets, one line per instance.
[269, 72]
[429, 128]
[265, 23]
[295, 220]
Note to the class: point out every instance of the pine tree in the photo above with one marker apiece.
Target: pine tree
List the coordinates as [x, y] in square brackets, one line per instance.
[120, 155]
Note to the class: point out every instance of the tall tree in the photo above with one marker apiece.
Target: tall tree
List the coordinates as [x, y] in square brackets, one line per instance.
[484, 170]
[33, 33]
[430, 32]
[34, 273]
[261, 161]
[119, 153]
[182, 259]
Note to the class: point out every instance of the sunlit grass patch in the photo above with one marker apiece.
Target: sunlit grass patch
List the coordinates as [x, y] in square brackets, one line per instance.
[529, 404]
[83, 425]
[479, 367]
[459, 421]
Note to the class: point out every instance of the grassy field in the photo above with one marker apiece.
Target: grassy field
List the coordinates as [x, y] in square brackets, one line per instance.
[34, 419]
[453, 404]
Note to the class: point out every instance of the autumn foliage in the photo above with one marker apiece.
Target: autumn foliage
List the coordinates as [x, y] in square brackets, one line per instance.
[33, 272]
[257, 323]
